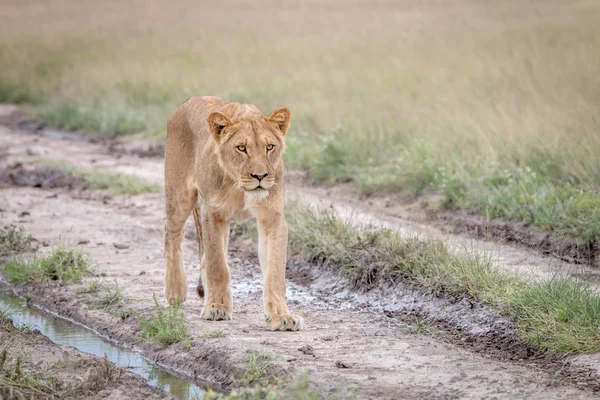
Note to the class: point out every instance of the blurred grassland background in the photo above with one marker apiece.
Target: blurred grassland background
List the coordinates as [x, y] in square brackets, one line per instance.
[493, 104]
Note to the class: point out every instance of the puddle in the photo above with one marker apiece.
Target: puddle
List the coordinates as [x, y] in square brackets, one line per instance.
[64, 333]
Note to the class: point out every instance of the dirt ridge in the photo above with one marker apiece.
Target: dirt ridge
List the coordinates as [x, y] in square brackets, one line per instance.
[459, 320]
[60, 304]
[549, 243]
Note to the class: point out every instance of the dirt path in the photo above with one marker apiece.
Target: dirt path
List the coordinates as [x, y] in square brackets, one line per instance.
[387, 359]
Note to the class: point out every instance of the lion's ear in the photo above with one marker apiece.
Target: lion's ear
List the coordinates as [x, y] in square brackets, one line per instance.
[216, 122]
[281, 117]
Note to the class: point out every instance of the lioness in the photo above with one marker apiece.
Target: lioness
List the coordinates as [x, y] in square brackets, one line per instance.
[223, 163]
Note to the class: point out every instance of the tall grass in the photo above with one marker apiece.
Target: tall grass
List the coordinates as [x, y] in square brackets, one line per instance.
[165, 325]
[492, 103]
[14, 240]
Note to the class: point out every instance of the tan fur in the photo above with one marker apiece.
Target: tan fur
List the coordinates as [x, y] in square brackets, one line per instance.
[207, 173]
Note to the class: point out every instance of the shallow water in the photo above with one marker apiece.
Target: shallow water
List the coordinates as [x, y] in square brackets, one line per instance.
[64, 333]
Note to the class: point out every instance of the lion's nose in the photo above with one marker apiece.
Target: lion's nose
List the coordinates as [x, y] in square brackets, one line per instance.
[259, 177]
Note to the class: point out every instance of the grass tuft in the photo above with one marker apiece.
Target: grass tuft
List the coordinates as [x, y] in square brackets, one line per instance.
[213, 334]
[63, 265]
[299, 389]
[14, 240]
[92, 286]
[110, 296]
[561, 315]
[165, 325]
[6, 312]
[258, 364]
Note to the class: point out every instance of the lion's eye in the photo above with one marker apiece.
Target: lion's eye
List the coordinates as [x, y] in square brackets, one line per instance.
[242, 148]
[270, 147]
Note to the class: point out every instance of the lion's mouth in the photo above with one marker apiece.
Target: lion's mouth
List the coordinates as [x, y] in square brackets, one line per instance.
[258, 188]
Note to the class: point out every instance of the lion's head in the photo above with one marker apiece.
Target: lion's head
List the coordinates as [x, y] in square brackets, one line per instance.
[249, 145]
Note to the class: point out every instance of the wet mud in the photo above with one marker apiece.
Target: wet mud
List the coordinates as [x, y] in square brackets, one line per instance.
[37, 176]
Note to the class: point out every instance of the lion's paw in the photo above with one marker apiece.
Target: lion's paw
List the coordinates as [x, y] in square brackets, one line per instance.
[285, 322]
[215, 312]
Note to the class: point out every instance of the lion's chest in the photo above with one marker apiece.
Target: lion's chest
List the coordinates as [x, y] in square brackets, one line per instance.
[230, 203]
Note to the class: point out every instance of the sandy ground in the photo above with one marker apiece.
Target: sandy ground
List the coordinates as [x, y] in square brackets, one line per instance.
[387, 359]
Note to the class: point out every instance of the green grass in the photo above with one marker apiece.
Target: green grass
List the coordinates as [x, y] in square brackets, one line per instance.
[109, 121]
[15, 93]
[6, 312]
[165, 325]
[561, 315]
[213, 334]
[110, 296]
[258, 368]
[14, 240]
[92, 286]
[62, 266]
[118, 184]
[298, 389]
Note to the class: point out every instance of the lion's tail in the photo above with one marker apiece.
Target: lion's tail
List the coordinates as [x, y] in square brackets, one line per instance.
[198, 223]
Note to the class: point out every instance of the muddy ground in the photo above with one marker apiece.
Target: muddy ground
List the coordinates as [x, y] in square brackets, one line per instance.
[35, 366]
[396, 342]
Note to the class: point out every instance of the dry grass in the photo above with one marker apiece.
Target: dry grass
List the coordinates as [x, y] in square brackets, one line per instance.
[468, 97]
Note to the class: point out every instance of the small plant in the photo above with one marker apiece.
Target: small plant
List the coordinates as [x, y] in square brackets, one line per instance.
[166, 325]
[6, 312]
[213, 334]
[258, 364]
[24, 327]
[247, 393]
[111, 296]
[19, 384]
[421, 328]
[13, 240]
[92, 286]
[62, 265]
[123, 313]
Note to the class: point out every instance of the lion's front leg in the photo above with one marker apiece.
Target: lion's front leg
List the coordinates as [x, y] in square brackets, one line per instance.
[218, 302]
[273, 236]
